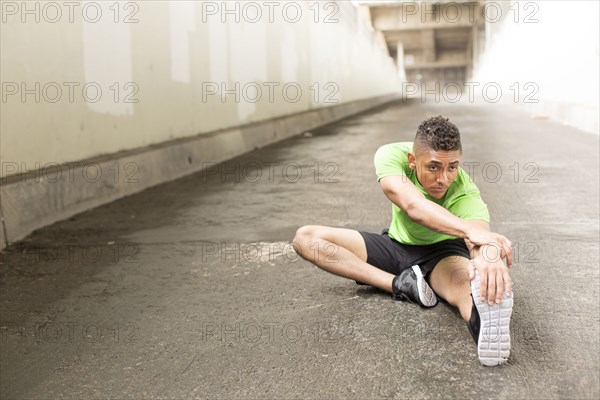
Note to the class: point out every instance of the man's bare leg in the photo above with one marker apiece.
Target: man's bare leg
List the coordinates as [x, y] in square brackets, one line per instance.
[450, 280]
[491, 326]
[341, 252]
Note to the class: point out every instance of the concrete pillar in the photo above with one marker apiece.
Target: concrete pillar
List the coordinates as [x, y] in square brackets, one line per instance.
[400, 55]
[428, 45]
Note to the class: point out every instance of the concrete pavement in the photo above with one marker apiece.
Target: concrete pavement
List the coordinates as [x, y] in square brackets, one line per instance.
[191, 288]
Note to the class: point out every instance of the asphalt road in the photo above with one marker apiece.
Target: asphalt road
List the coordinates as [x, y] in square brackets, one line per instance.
[192, 289]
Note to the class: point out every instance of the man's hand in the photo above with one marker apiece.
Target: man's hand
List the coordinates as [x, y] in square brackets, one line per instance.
[481, 237]
[493, 274]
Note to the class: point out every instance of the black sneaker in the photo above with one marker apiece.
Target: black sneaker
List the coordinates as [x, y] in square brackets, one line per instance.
[411, 286]
[489, 326]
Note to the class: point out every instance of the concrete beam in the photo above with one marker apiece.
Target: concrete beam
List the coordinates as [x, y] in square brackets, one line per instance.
[428, 45]
[439, 64]
[411, 16]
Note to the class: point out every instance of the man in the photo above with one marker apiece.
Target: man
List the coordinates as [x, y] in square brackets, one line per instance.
[439, 242]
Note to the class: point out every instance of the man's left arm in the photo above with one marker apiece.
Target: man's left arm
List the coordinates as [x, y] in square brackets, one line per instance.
[487, 259]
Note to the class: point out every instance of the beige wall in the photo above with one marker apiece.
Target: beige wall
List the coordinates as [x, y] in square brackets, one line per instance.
[164, 60]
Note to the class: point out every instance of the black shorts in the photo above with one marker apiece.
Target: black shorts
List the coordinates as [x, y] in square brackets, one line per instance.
[394, 257]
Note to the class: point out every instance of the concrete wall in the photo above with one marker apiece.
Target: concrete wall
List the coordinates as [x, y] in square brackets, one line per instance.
[175, 52]
[553, 48]
[169, 88]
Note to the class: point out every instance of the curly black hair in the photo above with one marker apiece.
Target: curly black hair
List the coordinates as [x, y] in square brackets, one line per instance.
[438, 134]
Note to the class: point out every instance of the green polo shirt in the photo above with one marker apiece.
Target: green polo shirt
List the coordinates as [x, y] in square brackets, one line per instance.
[462, 198]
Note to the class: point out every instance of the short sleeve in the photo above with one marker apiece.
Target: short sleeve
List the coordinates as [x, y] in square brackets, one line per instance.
[390, 160]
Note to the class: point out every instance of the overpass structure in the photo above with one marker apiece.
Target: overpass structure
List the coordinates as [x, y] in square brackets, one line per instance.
[158, 157]
[162, 89]
[433, 41]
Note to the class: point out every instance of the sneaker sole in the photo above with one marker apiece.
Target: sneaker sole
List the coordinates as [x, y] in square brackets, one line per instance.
[493, 345]
[426, 294]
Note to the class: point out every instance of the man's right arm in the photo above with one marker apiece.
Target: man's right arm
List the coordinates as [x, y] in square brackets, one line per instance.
[402, 192]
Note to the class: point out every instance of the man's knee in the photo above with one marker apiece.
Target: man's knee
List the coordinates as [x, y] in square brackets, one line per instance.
[304, 238]
[450, 278]
[304, 233]
[309, 239]
[460, 278]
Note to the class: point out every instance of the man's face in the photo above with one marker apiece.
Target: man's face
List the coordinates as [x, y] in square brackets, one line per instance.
[435, 169]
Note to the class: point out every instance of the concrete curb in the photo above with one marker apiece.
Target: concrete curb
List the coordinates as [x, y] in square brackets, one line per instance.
[39, 198]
